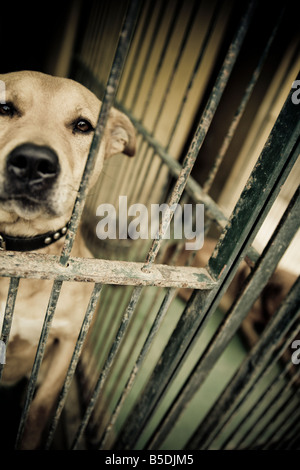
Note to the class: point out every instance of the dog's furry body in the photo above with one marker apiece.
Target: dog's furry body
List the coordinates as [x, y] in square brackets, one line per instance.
[58, 115]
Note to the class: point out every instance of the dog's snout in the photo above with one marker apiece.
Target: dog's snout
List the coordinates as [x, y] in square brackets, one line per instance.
[32, 166]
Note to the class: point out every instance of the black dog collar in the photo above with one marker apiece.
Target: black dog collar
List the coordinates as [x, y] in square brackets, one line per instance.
[10, 243]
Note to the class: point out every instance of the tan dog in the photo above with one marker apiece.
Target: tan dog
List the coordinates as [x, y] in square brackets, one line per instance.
[46, 128]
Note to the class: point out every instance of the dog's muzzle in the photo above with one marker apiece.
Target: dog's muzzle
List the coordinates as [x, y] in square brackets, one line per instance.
[31, 169]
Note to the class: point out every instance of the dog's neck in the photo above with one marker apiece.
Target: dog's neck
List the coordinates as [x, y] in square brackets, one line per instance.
[37, 242]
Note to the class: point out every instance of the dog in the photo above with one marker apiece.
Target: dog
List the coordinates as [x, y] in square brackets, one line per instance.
[46, 128]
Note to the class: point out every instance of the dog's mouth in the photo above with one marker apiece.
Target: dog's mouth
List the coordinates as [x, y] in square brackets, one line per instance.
[26, 205]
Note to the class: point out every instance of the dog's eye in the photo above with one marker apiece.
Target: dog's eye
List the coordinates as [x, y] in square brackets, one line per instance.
[82, 125]
[7, 109]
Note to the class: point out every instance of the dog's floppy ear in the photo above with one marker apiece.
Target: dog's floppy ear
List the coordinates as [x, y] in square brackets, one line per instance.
[120, 135]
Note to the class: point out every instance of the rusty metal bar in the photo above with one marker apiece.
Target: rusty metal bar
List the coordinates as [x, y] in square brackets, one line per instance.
[40, 266]
[110, 92]
[74, 361]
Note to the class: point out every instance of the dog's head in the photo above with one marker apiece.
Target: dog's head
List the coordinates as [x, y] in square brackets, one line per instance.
[46, 128]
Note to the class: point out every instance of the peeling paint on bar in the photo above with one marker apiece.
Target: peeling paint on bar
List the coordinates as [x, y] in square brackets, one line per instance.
[39, 266]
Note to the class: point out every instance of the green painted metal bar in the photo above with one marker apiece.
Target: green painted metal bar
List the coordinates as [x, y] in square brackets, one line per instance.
[38, 358]
[8, 313]
[294, 331]
[248, 372]
[74, 361]
[294, 432]
[287, 392]
[110, 92]
[281, 154]
[275, 249]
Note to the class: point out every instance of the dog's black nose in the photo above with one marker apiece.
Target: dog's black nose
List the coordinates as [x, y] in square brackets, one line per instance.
[32, 166]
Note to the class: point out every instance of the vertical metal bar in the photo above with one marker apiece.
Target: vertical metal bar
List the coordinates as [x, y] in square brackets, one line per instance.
[110, 92]
[75, 358]
[280, 410]
[144, 28]
[39, 357]
[162, 57]
[201, 132]
[249, 370]
[242, 106]
[188, 28]
[109, 361]
[295, 330]
[130, 382]
[295, 432]
[273, 403]
[160, 15]
[209, 31]
[275, 249]
[8, 314]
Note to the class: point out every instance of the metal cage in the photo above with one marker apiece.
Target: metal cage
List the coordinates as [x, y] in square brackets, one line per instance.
[164, 365]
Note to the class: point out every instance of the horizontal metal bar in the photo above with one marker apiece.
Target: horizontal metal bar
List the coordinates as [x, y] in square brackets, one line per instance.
[40, 266]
